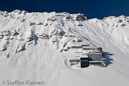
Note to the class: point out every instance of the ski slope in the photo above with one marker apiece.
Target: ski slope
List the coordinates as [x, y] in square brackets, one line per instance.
[31, 48]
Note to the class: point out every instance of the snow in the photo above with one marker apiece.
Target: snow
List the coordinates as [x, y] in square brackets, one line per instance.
[36, 52]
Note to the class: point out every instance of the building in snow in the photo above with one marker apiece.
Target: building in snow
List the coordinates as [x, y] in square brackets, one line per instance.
[94, 56]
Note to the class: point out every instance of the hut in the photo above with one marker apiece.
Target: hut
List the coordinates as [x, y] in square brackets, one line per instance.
[74, 62]
[84, 62]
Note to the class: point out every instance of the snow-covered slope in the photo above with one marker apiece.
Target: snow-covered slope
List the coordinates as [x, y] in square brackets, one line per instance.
[32, 44]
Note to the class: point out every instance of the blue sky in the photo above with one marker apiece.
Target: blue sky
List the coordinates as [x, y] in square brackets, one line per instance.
[90, 8]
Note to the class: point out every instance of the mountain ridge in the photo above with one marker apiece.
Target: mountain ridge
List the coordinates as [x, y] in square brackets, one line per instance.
[31, 44]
